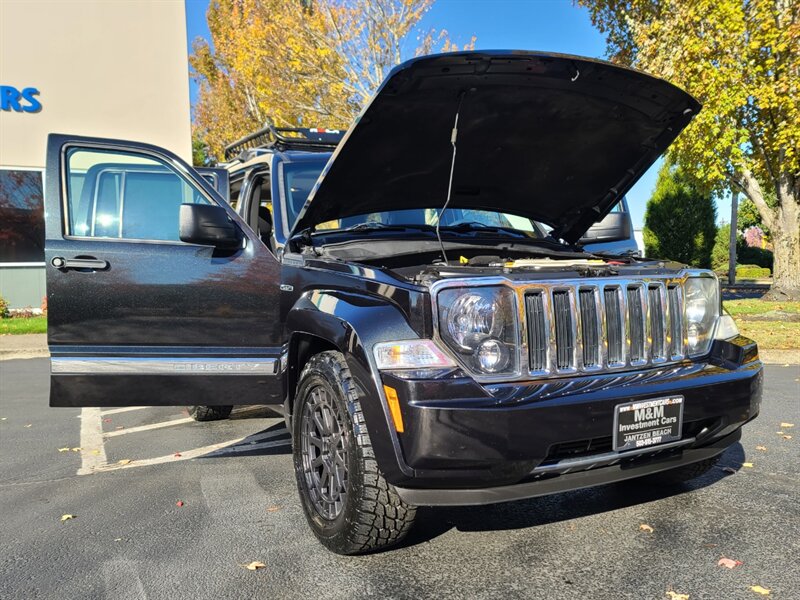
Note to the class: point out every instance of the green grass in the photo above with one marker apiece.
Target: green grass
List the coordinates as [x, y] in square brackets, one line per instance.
[759, 307]
[23, 325]
[772, 335]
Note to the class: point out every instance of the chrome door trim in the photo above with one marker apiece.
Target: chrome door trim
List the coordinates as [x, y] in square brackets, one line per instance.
[97, 365]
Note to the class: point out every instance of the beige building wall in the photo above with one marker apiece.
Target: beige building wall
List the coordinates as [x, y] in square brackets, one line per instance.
[106, 68]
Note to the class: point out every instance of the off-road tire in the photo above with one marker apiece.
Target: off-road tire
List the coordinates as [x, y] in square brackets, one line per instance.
[680, 475]
[373, 516]
[210, 413]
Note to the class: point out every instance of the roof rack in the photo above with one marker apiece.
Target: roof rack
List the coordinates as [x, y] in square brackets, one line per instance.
[285, 138]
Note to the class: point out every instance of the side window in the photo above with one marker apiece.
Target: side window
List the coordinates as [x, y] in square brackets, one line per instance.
[125, 195]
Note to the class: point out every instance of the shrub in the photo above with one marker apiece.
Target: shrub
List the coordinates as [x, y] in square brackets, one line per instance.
[679, 222]
[744, 254]
[744, 271]
[752, 272]
[3, 308]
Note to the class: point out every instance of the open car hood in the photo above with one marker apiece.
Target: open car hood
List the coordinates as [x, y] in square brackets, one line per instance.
[552, 137]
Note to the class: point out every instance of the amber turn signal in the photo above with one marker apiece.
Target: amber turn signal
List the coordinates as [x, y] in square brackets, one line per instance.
[394, 407]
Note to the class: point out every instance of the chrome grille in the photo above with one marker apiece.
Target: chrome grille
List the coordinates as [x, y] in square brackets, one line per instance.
[564, 322]
[604, 325]
[675, 314]
[537, 331]
[636, 325]
[590, 328]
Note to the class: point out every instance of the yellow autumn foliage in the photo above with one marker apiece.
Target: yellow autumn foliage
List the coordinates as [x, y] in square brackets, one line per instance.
[307, 63]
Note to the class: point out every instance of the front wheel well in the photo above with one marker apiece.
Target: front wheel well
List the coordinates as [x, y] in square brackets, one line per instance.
[302, 347]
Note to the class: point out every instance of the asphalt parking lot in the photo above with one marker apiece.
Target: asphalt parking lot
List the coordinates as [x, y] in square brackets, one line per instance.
[129, 537]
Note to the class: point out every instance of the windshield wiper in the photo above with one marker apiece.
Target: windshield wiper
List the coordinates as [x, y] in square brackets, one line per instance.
[477, 226]
[369, 226]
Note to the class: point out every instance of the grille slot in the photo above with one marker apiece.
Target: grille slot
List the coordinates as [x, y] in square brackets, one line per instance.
[614, 327]
[589, 328]
[537, 331]
[635, 324]
[675, 309]
[565, 339]
[657, 323]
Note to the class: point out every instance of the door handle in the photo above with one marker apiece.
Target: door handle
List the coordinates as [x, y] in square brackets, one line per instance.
[90, 263]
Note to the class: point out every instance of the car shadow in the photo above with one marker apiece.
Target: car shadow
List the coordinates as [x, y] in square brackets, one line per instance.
[545, 510]
[270, 441]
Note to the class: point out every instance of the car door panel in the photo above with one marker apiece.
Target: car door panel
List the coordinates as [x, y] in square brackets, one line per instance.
[162, 322]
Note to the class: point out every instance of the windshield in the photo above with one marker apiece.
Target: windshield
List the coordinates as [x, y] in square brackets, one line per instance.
[299, 177]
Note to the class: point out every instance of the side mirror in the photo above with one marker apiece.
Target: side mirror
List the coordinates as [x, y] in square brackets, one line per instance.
[208, 225]
[615, 227]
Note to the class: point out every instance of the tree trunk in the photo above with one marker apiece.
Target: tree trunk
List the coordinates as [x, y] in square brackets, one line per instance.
[783, 222]
[786, 242]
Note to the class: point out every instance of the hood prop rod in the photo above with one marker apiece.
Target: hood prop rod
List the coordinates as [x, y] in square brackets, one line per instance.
[453, 137]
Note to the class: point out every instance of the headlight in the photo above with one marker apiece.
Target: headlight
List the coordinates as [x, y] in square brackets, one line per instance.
[702, 311]
[480, 325]
[410, 354]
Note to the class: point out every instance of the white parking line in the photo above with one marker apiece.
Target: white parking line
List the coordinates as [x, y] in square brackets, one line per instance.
[93, 453]
[212, 451]
[114, 411]
[149, 427]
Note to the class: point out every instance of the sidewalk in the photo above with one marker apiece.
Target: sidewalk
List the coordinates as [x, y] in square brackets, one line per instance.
[23, 346]
[35, 346]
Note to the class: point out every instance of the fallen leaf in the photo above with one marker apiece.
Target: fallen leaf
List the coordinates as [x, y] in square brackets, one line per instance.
[273, 508]
[787, 437]
[67, 517]
[124, 461]
[676, 596]
[177, 455]
[645, 527]
[179, 503]
[255, 566]
[729, 470]
[748, 465]
[63, 449]
[729, 563]
[785, 425]
[760, 590]
[762, 448]
[29, 425]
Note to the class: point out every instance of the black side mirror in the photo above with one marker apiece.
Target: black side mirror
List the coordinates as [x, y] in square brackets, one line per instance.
[208, 225]
[614, 227]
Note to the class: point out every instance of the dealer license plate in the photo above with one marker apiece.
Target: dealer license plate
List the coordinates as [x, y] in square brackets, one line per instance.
[647, 422]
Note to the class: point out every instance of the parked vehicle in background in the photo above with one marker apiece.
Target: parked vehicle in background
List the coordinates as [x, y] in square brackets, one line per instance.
[613, 234]
[426, 320]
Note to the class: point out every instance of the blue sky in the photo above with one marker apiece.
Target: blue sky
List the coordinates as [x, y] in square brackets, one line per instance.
[550, 25]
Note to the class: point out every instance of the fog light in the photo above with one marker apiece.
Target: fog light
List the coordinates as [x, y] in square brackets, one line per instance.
[492, 355]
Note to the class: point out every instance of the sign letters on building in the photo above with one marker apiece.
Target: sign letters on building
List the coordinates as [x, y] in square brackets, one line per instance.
[17, 100]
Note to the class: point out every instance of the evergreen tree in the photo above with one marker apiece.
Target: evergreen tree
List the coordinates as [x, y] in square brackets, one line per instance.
[679, 222]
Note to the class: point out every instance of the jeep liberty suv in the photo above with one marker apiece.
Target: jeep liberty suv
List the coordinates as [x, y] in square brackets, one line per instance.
[426, 321]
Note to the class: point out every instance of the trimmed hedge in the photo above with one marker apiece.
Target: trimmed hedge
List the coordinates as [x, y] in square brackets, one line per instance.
[745, 271]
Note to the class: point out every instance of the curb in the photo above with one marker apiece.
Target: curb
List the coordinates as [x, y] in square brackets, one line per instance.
[24, 353]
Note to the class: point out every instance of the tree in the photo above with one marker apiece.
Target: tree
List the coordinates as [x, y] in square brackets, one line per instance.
[298, 62]
[679, 221]
[741, 59]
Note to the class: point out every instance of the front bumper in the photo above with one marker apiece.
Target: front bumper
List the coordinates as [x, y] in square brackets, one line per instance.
[467, 443]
